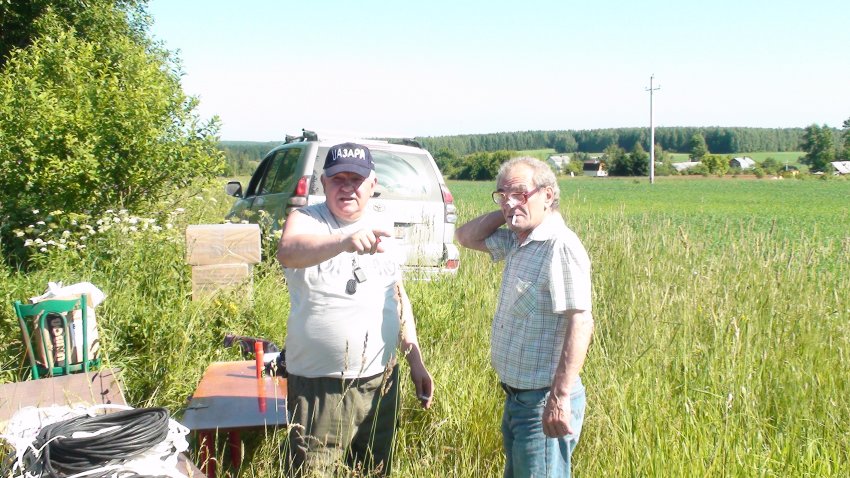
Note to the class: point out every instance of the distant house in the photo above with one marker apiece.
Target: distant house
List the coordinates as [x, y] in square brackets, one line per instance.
[559, 163]
[685, 165]
[742, 162]
[594, 167]
[841, 167]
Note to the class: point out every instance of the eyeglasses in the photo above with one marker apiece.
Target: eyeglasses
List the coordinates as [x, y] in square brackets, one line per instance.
[518, 198]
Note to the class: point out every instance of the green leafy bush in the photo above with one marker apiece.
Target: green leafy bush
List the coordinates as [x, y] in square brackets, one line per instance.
[87, 126]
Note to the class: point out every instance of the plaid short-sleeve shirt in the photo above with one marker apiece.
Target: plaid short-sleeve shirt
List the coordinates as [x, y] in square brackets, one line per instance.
[544, 276]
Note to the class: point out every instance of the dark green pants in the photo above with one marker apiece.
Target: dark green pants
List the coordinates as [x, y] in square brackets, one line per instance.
[339, 426]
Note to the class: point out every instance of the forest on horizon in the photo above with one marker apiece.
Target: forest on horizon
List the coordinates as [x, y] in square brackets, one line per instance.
[243, 156]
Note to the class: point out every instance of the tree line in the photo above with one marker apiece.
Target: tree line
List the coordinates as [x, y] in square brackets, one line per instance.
[624, 149]
[721, 140]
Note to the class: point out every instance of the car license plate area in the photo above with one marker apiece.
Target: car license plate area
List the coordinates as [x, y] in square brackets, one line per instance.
[402, 232]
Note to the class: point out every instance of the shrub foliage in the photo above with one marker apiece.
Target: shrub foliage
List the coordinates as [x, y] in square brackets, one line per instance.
[89, 123]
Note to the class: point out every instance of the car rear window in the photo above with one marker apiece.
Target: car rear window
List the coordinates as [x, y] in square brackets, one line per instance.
[401, 175]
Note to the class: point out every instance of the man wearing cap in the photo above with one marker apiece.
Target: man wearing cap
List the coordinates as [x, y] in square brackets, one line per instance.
[543, 323]
[349, 313]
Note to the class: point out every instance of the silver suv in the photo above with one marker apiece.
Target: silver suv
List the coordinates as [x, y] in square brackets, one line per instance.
[411, 192]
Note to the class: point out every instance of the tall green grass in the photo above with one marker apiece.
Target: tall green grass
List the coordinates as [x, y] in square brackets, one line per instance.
[721, 347]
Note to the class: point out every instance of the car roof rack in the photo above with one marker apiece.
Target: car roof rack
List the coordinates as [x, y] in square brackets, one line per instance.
[407, 142]
[306, 135]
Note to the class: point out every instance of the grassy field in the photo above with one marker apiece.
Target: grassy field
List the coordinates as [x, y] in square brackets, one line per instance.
[721, 346]
[789, 157]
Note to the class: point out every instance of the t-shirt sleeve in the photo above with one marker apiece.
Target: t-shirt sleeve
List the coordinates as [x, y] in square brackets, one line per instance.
[499, 243]
[569, 277]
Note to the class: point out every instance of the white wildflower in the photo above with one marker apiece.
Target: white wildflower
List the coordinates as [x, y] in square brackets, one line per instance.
[19, 233]
[40, 223]
[43, 249]
[62, 247]
[66, 233]
[35, 211]
[28, 242]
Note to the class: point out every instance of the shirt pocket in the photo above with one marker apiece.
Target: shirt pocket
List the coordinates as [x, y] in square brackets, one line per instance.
[525, 301]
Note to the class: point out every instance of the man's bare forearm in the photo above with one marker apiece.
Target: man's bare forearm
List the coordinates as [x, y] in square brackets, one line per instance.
[473, 233]
[305, 250]
[573, 353]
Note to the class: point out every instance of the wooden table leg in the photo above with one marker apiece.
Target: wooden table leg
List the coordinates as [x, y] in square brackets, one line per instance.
[207, 453]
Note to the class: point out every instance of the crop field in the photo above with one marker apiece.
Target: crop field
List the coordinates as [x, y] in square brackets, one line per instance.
[721, 348]
[783, 157]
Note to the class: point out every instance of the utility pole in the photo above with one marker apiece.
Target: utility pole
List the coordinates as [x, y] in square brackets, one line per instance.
[651, 132]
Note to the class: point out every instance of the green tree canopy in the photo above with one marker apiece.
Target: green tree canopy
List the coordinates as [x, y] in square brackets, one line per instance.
[770, 165]
[698, 148]
[22, 22]
[565, 143]
[818, 143]
[617, 161]
[716, 164]
[89, 124]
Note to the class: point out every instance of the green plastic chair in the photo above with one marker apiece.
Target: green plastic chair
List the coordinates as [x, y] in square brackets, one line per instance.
[32, 319]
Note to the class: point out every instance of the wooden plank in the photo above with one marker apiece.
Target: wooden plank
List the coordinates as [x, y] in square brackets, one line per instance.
[208, 244]
[208, 280]
[100, 387]
[92, 388]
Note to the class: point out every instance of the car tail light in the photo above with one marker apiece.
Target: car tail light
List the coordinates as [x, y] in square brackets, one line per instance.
[299, 196]
[452, 264]
[301, 187]
[448, 202]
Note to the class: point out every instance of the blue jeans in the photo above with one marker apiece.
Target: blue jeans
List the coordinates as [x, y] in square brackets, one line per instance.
[529, 453]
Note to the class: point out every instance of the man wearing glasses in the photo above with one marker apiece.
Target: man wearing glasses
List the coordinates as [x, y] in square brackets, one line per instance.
[543, 323]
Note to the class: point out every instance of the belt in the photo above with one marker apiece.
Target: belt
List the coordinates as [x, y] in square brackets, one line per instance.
[513, 391]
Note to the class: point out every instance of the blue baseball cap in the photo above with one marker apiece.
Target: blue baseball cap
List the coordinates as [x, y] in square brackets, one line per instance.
[349, 157]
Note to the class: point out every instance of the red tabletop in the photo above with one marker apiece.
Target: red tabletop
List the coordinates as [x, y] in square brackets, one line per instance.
[231, 397]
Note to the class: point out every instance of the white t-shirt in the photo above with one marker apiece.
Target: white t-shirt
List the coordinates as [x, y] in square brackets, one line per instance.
[330, 332]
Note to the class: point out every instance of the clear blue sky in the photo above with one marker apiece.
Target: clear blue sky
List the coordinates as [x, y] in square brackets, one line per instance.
[380, 68]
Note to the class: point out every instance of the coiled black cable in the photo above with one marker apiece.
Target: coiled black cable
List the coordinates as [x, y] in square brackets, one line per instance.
[124, 435]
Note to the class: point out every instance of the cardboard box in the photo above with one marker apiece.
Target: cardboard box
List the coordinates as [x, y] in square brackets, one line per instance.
[209, 244]
[210, 279]
[50, 345]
